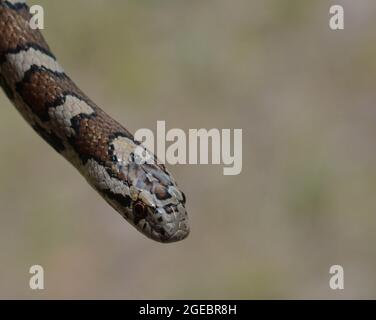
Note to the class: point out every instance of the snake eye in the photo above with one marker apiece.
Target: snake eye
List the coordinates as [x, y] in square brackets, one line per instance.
[139, 211]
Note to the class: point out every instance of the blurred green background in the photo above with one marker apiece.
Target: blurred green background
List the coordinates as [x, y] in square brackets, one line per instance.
[305, 98]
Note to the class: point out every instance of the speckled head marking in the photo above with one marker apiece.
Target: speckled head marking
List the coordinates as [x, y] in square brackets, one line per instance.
[145, 194]
[158, 205]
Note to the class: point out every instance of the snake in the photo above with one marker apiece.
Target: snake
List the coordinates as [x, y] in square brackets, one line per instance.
[99, 147]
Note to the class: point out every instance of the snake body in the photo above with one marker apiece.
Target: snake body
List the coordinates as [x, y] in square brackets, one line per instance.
[103, 151]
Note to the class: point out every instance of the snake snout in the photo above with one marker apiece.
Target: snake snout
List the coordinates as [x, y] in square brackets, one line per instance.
[180, 232]
[173, 226]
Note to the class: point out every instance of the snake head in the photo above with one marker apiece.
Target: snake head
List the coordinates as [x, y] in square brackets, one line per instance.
[158, 209]
[144, 193]
[164, 220]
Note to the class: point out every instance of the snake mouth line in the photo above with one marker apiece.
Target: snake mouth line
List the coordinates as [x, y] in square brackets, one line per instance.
[178, 235]
[166, 232]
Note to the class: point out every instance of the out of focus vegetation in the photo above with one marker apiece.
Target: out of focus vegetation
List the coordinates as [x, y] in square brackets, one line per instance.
[305, 98]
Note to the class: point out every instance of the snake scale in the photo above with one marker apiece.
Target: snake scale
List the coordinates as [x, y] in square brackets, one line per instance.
[103, 151]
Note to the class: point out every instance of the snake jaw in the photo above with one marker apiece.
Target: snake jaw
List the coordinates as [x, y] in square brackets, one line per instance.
[165, 227]
[182, 231]
[179, 228]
